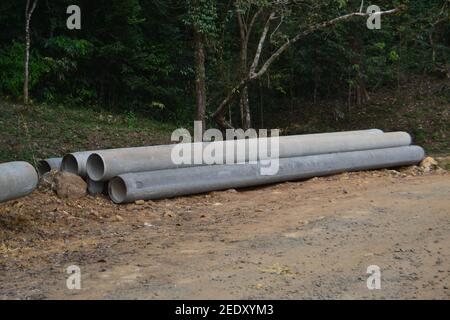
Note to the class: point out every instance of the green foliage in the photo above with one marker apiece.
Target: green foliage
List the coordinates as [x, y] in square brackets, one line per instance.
[71, 48]
[131, 119]
[139, 55]
[45, 131]
[202, 15]
[11, 66]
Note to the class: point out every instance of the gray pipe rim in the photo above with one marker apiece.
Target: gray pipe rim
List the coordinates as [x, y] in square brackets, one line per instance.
[70, 164]
[43, 167]
[96, 167]
[118, 190]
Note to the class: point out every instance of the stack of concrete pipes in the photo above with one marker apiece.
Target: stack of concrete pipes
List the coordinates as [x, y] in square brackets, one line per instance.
[148, 173]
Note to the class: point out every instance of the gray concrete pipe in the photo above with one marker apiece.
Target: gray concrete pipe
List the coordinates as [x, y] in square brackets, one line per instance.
[103, 166]
[186, 181]
[17, 179]
[106, 164]
[96, 187]
[47, 165]
[75, 163]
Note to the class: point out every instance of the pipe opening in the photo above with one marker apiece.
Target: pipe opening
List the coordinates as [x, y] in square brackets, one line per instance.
[43, 167]
[117, 190]
[95, 167]
[70, 164]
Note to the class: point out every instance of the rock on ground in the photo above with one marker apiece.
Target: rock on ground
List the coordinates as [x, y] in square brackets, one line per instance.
[67, 185]
[429, 164]
[47, 181]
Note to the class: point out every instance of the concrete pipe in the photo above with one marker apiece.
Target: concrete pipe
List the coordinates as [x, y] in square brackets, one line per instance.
[96, 187]
[105, 165]
[344, 133]
[75, 163]
[186, 181]
[47, 165]
[17, 179]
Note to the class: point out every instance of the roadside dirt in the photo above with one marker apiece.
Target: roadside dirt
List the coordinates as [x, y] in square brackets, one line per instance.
[304, 240]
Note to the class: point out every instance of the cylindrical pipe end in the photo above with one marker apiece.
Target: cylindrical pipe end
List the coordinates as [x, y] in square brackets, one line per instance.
[95, 167]
[118, 190]
[410, 139]
[17, 179]
[43, 167]
[70, 164]
[420, 152]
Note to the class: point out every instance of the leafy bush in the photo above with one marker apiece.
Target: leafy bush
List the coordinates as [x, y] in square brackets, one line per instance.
[11, 65]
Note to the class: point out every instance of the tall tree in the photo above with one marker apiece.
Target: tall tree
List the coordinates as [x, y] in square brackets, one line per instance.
[200, 70]
[277, 12]
[29, 9]
[202, 17]
[247, 16]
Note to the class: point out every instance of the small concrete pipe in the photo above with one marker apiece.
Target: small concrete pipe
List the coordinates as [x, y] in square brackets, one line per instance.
[97, 187]
[47, 165]
[105, 165]
[17, 179]
[75, 163]
[186, 181]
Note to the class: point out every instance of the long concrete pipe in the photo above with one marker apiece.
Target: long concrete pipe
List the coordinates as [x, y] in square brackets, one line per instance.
[48, 165]
[17, 179]
[186, 181]
[106, 164]
[103, 166]
[76, 163]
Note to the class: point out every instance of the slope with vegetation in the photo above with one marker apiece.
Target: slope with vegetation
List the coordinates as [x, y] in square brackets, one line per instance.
[40, 131]
[421, 108]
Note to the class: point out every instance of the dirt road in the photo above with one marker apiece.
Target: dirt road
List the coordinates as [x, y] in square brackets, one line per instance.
[312, 239]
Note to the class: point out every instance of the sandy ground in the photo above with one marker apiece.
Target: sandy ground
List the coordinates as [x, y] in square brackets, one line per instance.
[303, 240]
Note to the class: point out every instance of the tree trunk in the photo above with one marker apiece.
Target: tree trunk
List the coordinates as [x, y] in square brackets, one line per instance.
[245, 104]
[244, 101]
[261, 102]
[200, 80]
[26, 63]
[361, 94]
[26, 73]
